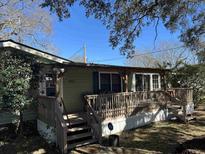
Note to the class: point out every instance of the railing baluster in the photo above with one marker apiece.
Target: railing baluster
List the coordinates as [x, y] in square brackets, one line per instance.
[121, 104]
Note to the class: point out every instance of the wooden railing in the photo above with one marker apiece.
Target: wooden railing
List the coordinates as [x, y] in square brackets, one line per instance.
[50, 111]
[65, 112]
[181, 97]
[94, 121]
[114, 105]
[61, 127]
[184, 94]
[46, 110]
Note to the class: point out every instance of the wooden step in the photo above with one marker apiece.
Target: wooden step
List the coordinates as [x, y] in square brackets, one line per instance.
[75, 122]
[81, 143]
[174, 107]
[79, 136]
[74, 115]
[178, 112]
[77, 129]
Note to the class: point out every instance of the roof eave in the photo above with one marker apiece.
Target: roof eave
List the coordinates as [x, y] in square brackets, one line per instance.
[33, 51]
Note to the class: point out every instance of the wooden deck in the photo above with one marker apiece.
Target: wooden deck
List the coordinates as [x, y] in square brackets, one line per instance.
[109, 106]
[105, 106]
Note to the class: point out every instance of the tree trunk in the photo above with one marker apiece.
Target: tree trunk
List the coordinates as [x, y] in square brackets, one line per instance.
[19, 124]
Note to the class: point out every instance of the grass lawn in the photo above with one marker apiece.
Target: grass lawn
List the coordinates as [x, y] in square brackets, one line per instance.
[161, 137]
[164, 136]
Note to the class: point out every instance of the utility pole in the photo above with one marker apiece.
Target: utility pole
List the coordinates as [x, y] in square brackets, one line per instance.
[84, 49]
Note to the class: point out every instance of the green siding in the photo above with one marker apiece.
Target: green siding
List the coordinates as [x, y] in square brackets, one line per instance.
[76, 82]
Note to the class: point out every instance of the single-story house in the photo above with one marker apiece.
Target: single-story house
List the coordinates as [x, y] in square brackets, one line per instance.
[79, 103]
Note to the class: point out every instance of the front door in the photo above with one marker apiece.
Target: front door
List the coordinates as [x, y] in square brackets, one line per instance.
[146, 83]
[142, 82]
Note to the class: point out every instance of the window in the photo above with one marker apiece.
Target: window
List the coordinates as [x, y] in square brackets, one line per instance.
[105, 82]
[110, 82]
[155, 82]
[146, 82]
[142, 82]
[50, 85]
[116, 83]
[47, 85]
[138, 80]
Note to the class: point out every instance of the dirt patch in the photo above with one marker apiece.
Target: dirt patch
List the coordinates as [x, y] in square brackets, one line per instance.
[24, 144]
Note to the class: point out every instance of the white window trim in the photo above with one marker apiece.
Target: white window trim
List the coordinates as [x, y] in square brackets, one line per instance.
[99, 79]
[151, 81]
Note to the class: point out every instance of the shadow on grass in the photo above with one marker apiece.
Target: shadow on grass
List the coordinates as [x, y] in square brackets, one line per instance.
[162, 137]
[30, 143]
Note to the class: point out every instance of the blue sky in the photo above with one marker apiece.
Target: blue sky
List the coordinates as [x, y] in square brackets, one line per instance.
[70, 35]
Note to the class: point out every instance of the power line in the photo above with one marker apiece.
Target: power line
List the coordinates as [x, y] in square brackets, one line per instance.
[136, 55]
[76, 52]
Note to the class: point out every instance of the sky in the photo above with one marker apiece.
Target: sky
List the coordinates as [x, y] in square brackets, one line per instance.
[71, 34]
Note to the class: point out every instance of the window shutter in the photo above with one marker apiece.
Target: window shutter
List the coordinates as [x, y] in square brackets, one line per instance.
[95, 82]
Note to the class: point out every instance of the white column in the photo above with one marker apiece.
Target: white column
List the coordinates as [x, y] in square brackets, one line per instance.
[133, 86]
[151, 83]
[159, 80]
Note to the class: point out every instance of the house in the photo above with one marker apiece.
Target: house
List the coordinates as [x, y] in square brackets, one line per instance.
[79, 103]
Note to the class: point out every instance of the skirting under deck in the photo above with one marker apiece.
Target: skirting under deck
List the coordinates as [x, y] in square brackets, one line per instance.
[125, 123]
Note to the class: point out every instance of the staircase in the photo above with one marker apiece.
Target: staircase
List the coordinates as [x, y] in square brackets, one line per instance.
[177, 110]
[78, 132]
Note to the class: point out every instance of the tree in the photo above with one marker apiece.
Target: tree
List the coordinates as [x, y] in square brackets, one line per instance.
[25, 22]
[143, 60]
[201, 56]
[191, 76]
[169, 56]
[15, 76]
[126, 19]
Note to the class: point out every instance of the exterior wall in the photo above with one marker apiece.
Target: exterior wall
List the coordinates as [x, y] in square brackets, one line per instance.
[79, 81]
[122, 123]
[76, 81]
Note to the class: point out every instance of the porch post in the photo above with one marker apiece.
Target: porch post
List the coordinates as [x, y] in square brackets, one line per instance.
[151, 83]
[126, 82]
[59, 82]
[163, 81]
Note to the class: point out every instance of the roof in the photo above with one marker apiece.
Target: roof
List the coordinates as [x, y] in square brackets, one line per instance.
[33, 51]
[114, 67]
[68, 63]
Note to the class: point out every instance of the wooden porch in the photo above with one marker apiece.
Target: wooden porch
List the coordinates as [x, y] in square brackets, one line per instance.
[84, 128]
[108, 106]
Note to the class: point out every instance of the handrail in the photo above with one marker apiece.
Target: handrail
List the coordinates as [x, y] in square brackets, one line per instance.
[122, 104]
[180, 102]
[185, 94]
[97, 119]
[93, 120]
[173, 98]
[113, 105]
[61, 128]
[64, 108]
